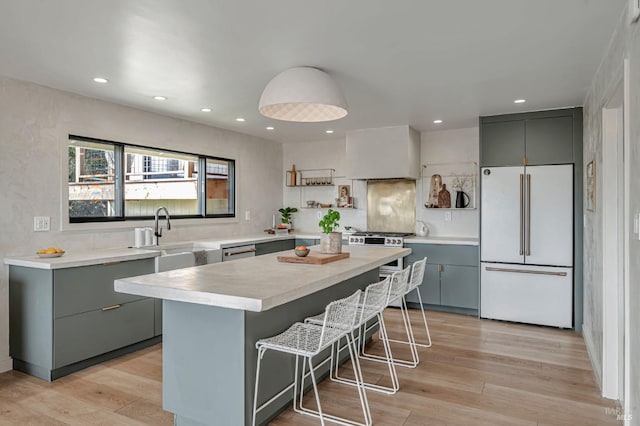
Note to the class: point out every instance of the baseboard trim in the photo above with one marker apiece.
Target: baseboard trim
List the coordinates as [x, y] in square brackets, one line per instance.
[595, 364]
[6, 364]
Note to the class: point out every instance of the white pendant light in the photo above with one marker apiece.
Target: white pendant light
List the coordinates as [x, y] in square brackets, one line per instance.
[303, 94]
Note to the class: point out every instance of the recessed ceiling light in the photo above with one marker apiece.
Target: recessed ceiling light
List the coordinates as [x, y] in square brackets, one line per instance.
[100, 80]
[328, 131]
[269, 128]
[240, 119]
[160, 98]
[519, 101]
[205, 109]
[437, 121]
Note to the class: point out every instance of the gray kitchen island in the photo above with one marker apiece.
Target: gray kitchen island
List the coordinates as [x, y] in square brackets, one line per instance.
[214, 314]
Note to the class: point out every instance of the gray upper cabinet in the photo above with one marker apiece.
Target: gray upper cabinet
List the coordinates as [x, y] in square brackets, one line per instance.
[502, 143]
[536, 138]
[549, 141]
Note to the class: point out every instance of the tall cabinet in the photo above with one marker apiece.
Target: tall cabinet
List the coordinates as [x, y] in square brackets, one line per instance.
[535, 139]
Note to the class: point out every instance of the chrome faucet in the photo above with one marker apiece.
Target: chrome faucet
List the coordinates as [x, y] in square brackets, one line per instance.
[158, 231]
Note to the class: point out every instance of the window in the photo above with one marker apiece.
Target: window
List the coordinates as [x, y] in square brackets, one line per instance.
[116, 181]
[92, 180]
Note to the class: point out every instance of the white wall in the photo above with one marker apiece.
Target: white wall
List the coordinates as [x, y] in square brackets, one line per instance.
[448, 146]
[625, 44]
[35, 122]
[320, 155]
[436, 147]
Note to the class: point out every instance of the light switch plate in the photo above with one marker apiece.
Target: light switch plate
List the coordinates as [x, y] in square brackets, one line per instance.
[319, 215]
[41, 223]
[247, 215]
[447, 216]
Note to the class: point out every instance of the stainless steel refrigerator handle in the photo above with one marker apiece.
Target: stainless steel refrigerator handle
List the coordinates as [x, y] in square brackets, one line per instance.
[528, 233]
[525, 271]
[521, 214]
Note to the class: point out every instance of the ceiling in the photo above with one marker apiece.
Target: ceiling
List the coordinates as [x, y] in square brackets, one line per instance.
[397, 62]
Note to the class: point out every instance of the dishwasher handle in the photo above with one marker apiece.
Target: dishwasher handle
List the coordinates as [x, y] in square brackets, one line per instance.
[234, 253]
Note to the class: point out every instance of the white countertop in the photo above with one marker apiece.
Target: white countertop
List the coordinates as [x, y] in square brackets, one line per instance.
[82, 258]
[72, 258]
[257, 283]
[462, 241]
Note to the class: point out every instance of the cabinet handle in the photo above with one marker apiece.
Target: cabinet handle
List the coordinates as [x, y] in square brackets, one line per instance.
[115, 262]
[110, 308]
[439, 268]
[233, 253]
[525, 271]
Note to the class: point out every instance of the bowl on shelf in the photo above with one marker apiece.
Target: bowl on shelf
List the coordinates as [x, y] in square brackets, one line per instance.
[301, 252]
[311, 203]
[325, 206]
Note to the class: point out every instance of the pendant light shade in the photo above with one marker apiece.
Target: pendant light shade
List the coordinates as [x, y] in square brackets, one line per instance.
[303, 94]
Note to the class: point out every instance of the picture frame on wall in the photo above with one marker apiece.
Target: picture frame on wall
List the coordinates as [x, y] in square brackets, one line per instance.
[591, 186]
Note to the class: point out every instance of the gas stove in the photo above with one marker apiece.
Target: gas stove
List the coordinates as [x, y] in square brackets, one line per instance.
[387, 239]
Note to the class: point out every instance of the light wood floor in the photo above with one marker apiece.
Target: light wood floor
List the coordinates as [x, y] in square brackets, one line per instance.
[477, 372]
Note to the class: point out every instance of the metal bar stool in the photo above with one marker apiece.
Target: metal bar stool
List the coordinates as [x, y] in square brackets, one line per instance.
[307, 340]
[373, 302]
[399, 283]
[417, 275]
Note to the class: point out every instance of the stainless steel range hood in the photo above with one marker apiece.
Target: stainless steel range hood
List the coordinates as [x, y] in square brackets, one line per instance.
[383, 153]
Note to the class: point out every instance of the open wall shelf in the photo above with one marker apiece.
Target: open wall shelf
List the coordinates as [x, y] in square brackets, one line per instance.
[454, 177]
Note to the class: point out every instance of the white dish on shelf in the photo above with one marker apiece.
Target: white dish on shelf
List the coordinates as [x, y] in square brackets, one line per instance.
[50, 255]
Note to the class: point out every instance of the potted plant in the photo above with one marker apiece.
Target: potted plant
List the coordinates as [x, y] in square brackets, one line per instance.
[330, 241]
[286, 213]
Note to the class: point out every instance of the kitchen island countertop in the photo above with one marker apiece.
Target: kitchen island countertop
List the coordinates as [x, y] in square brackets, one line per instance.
[256, 284]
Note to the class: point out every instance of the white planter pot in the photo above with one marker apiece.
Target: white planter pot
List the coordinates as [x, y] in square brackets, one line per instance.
[331, 243]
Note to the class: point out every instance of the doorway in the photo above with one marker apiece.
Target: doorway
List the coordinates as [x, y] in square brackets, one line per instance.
[613, 248]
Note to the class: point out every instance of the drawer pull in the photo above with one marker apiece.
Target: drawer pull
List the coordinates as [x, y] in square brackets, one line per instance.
[525, 271]
[115, 262]
[233, 253]
[110, 308]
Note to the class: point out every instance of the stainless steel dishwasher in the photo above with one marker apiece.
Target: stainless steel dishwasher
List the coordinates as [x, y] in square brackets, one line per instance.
[238, 252]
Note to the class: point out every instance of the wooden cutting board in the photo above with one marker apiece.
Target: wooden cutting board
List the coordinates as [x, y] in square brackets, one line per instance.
[313, 258]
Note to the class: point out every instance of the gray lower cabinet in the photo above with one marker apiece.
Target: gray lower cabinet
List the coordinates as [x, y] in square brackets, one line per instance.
[451, 276]
[63, 320]
[306, 242]
[274, 246]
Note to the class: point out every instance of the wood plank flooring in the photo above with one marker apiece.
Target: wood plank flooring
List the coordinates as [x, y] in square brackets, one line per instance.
[477, 372]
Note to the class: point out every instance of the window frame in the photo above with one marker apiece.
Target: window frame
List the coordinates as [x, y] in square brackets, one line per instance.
[119, 182]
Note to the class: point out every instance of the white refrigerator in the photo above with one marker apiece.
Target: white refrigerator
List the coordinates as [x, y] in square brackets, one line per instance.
[526, 247]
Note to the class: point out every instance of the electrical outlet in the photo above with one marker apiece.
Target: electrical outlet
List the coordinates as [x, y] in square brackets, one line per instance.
[447, 216]
[247, 215]
[319, 215]
[41, 223]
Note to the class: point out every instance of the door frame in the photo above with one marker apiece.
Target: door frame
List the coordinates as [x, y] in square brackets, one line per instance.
[615, 355]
